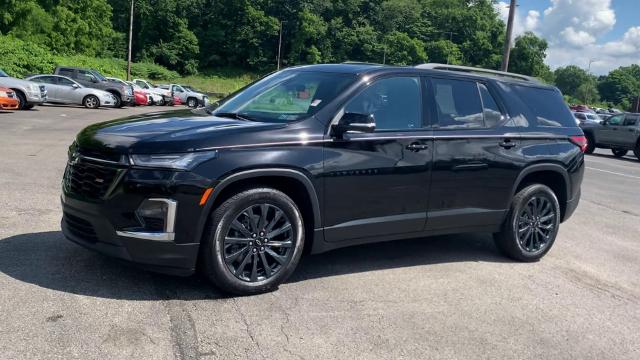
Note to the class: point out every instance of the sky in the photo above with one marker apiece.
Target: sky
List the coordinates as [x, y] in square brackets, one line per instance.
[603, 32]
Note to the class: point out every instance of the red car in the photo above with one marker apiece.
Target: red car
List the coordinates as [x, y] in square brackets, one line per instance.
[177, 101]
[140, 98]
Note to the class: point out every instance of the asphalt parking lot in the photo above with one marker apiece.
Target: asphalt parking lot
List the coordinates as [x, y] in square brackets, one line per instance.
[450, 297]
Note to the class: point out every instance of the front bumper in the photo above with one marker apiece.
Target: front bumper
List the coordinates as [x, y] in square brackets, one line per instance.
[9, 103]
[84, 224]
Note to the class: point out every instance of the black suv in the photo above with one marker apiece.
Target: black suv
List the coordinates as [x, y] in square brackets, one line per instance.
[325, 156]
[93, 79]
[620, 133]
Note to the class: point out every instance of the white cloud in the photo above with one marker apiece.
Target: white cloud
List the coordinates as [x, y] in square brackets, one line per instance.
[572, 29]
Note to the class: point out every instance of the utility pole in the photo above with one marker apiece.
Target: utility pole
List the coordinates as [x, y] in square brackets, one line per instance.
[507, 41]
[589, 67]
[280, 44]
[130, 42]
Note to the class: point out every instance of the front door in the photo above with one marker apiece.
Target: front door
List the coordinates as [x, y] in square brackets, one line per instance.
[377, 184]
[629, 131]
[476, 160]
[68, 92]
[609, 132]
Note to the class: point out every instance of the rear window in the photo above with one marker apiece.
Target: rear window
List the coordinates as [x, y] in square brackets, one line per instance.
[546, 105]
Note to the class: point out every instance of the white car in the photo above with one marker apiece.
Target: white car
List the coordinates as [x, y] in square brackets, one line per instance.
[582, 117]
[63, 90]
[28, 92]
[156, 99]
[167, 97]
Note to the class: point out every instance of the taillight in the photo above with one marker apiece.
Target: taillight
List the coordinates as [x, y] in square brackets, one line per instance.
[580, 141]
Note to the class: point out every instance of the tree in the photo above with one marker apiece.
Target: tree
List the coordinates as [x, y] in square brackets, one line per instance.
[400, 49]
[527, 57]
[620, 86]
[444, 52]
[569, 79]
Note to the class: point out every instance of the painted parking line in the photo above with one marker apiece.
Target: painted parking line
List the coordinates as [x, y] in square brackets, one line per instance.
[616, 163]
[614, 173]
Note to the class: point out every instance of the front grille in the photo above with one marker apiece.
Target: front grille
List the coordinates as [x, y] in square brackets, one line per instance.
[80, 228]
[89, 180]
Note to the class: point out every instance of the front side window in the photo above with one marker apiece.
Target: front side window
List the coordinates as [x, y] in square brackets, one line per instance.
[458, 104]
[286, 96]
[86, 75]
[3, 74]
[395, 103]
[615, 120]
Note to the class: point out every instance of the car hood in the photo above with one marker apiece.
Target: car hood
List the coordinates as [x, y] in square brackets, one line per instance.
[168, 132]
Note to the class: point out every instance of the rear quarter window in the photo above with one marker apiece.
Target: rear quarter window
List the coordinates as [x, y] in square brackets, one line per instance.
[546, 106]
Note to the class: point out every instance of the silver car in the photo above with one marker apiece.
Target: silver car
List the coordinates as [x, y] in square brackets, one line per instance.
[192, 99]
[63, 90]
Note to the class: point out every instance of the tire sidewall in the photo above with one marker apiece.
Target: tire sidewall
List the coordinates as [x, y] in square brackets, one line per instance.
[527, 194]
[22, 99]
[223, 217]
[190, 101]
[91, 97]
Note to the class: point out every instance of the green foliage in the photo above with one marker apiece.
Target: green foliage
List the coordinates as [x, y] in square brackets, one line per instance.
[19, 58]
[569, 79]
[527, 57]
[444, 52]
[621, 85]
[403, 50]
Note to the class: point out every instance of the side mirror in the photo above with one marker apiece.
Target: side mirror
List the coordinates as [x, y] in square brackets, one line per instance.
[356, 122]
[75, 86]
[94, 80]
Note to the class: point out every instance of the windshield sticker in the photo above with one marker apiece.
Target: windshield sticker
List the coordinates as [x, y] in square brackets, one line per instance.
[316, 102]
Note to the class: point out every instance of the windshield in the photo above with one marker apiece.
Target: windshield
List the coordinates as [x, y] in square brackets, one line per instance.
[286, 96]
[98, 75]
[3, 74]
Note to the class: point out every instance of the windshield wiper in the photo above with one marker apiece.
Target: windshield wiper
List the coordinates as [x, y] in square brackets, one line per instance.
[233, 115]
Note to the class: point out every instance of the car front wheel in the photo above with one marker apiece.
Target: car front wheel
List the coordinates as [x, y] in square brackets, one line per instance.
[91, 102]
[254, 241]
[619, 152]
[532, 224]
[591, 145]
[636, 151]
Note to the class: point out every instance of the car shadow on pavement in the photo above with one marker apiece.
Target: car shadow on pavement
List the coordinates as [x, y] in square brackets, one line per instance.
[49, 261]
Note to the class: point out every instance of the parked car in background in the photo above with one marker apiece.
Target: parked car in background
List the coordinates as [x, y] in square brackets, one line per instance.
[93, 79]
[8, 99]
[28, 93]
[587, 117]
[581, 108]
[177, 101]
[154, 98]
[167, 97]
[121, 82]
[620, 133]
[190, 98]
[63, 90]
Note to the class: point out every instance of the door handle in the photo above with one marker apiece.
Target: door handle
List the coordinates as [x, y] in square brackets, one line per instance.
[507, 144]
[415, 147]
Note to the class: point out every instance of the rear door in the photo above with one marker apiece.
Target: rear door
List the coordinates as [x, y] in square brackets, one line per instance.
[51, 83]
[377, 184]
[476, 160]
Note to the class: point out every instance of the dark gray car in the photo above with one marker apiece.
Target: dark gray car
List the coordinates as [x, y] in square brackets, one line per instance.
[620, 133]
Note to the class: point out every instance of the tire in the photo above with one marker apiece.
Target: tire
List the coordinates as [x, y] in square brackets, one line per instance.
[91, 102]
[591, 144]
[636, 151]
[531, 245]
[232, 236]
[23, 101]
[119, 103]
[619, 152]
[160, 102]
[192, 102]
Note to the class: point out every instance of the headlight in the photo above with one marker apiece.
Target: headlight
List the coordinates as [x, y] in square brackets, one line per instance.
[34, 88]
[185, 161]
[3, 94]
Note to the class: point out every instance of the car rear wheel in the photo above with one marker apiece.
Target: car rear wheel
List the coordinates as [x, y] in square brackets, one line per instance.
[91, 102]
[532, 224]
[591, 144]
[254, 241]
[619, 152]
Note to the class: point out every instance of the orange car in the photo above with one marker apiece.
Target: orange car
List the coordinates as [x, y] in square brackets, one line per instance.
[8, 99]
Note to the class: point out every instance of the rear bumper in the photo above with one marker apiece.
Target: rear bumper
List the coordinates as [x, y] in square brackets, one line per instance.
[83, 224]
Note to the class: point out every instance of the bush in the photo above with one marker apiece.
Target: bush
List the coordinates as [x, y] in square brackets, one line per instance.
[19, 58]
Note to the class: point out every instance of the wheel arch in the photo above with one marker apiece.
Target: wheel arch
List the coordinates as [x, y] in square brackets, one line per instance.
[24, 96]
[554, 176]
[294, 183]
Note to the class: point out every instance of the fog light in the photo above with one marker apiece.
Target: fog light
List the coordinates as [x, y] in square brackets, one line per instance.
[157, 215]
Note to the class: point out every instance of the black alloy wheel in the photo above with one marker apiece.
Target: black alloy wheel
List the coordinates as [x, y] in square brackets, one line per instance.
[254, 241]
[536, 224]
[532, 224]
[259, 243]
[619, 152]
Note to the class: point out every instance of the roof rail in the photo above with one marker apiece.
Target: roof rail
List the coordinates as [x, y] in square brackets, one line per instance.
[470, 69]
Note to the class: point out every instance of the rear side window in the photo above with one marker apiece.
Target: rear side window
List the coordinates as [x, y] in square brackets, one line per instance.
[458, 104]
[630, 120]
[546, 105]
[492, 113]
[66, 72]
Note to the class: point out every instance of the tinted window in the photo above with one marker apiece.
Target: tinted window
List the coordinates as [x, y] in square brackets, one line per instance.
[458, 104]
[615, 120]
[492, 113]
[630, 120]
[65, 82]
[581, 116]
[86, 75]
[394, 102]
[546, 105]
[66, 72]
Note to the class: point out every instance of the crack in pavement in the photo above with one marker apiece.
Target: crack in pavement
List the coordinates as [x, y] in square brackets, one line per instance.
[247, 327]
